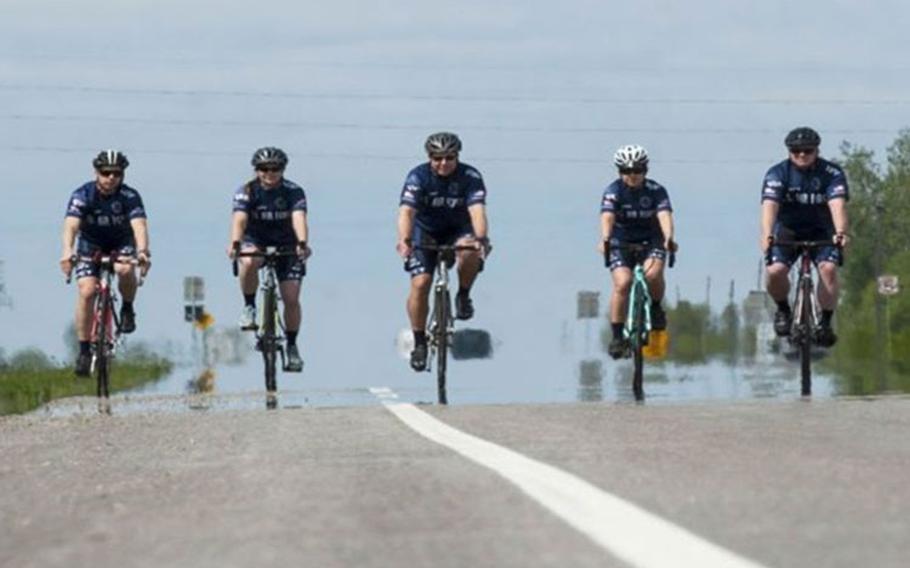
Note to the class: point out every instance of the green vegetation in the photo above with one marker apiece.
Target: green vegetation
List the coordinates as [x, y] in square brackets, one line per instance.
[29, 378]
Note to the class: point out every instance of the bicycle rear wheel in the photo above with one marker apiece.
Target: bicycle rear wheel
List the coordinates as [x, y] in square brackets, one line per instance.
[269, 340]
[443, 311]
[806, 328]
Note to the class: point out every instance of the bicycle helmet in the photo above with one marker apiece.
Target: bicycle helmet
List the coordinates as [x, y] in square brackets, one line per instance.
[442, 143]
[802, 137]
[110, 159]
[269, 155]
[631, 156]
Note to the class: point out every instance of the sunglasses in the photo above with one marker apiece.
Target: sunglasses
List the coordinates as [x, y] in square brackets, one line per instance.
[446, 158]
[630, 171]
[798, 151]
[110, 173]
[271, 169]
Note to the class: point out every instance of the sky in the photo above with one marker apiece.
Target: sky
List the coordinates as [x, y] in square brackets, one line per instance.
[541, 94]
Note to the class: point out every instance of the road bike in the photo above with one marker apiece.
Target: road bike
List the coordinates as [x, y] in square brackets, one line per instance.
[806, 309]
[441, 325]
[637, 327]
[270, 330]
[105, 332]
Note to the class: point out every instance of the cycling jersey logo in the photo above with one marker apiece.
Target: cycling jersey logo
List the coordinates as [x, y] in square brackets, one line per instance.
[116, 208]
[645, 202]
[280, 203]
[815, 184]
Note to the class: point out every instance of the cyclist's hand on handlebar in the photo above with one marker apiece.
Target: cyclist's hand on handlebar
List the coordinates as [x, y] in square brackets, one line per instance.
[404, 248]
[602, 246]
[232, 249]
[671, 245]
[766, 242]
[145, 263]
[304, 251]
[484, 246]
[840, 240]
[66, 265]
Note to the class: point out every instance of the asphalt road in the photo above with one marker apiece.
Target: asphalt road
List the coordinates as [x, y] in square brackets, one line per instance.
[819, 483]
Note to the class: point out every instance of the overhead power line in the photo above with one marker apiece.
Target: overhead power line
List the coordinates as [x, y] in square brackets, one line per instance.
[340, 125]
[482, 98]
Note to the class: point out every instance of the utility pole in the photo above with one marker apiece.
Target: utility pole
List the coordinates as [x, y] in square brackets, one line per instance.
[5, 300]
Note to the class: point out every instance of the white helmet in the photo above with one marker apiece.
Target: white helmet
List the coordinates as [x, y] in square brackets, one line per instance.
[631, 156]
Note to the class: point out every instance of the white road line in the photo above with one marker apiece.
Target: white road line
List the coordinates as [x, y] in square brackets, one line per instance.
[625, 530]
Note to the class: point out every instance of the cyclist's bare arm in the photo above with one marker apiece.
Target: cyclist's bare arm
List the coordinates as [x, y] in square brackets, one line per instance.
[141, 234]
[478, 213]
[301, 230]
[838, 208]
[406, 215]
[68, 240]
[607, 220]
[769, 211]
[665, 220]
[239, 219]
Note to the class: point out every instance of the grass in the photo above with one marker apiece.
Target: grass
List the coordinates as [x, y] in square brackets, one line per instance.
[22, 390]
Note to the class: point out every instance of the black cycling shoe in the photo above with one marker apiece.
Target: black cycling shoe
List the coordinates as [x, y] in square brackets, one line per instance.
[83, 364]
[464, 307]
[618, 348]
[294, 362]
[782, 323]
[419, 357]
[127, 321]
[658, 317]
[825, 336]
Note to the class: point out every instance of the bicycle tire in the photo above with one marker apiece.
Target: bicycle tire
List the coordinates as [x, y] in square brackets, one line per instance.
[268, 339]
[443, 310]
[104, 315]
[805, 338]
[638, 340]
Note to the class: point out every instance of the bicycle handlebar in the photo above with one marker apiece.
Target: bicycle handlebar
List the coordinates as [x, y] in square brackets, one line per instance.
[808, 245]
[106, 259]
[443, 248]
[638, 248]
[280, 253]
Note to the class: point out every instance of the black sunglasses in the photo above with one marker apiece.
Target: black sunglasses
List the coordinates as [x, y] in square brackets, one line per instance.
[810, 150]
[269, 169]
[629, 171]
[447, 157]
[110, 173]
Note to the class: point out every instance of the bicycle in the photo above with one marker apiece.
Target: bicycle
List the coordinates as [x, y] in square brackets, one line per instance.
[441, 325]
[269, 333]
[805, 307]
[105, 332]
[637, 327]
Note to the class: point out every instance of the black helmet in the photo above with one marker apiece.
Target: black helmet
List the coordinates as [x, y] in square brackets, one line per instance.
[802, 137]
[269, 155]
[442, 143]
[110, 159]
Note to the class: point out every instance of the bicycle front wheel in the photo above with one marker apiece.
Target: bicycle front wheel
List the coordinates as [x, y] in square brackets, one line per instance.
[443, 312]
[103, 329]
[638, 339]
[806, 327]
[269, 339]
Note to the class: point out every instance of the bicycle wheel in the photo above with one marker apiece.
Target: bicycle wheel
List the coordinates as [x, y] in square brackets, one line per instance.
[268, 340]
[104, 321]
[806, 328]
[637, 339]
[443, 312]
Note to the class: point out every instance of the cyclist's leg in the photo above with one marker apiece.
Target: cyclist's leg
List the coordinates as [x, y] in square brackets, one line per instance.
[777, 269]
[248, 269]
[470, 262]
[418, 300]
[87, 286]
[622, 283]
[654, 275]
[290, 272]
[126, 275]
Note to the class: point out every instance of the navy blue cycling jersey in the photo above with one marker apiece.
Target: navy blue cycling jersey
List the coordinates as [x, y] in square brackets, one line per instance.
[270, 211]
[105, 219]
[803, 195]
[636, 210]
[442, 202]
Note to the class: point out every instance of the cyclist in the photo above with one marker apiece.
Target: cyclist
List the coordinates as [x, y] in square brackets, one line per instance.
[804, 198]
[443, 202]
[271, 211]
[108, 217]
[636, 210]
